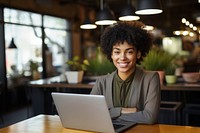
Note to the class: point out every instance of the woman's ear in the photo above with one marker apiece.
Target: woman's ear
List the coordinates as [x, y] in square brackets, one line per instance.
[138, 55]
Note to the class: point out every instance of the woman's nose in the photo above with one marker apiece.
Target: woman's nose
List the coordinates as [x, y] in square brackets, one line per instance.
[123, 56]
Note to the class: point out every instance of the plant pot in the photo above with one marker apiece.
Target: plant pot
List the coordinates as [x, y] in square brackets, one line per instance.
[170, 79]
[161, 76]
[74, 77]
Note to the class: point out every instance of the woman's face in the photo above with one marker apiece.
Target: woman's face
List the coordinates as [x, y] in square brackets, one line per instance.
[124, 57]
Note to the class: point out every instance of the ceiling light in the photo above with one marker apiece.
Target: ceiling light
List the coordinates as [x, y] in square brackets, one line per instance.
[191, 34]
[177, 32]
[191, 25]
[187, 23]
[88, 25]
[12, 44]
[148, 7]
[148, 27]
[128, 13]
[183, 20]
[194, 28]
[105, 16]
[185, 33]
[181, 32]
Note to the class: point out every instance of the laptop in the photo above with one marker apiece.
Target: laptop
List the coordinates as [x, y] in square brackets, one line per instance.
[86, 112]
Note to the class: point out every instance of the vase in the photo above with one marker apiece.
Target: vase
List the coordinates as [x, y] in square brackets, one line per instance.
[170, 79]
[161, 76]
[74, 77]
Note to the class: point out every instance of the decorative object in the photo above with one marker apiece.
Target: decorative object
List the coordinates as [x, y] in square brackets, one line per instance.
[191, 77]
[74, 77]
[170, 76]
[157, 60]
[34, 70]
[77, 68]
[100, 65]
[170, 79]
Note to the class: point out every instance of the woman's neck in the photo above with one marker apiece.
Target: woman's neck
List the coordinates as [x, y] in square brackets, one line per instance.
[125, 75]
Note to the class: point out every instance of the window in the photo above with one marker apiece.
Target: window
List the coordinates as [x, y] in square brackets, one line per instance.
[28, 30]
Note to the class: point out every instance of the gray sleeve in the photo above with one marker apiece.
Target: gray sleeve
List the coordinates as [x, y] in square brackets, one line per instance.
[150, 113]
[96, 88]
[115, 112]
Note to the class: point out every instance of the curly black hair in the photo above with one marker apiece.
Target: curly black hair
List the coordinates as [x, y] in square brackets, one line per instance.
[131, 32]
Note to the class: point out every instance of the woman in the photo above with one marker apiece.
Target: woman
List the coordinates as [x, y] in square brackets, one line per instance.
[131, 93]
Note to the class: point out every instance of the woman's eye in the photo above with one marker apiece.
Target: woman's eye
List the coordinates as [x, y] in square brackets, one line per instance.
[130, 52]
[116, 52]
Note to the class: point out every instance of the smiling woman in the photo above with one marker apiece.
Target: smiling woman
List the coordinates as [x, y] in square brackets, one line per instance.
[131, 93]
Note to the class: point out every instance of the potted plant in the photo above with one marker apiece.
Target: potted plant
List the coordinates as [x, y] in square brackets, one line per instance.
[100, 65]
[170, 76]
[77, 68]
[157, 60]
[34, 70]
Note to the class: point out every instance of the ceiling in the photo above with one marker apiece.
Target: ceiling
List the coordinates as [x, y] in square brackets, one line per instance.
[169, 20]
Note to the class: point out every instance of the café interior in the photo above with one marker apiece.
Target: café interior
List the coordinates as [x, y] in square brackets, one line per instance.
[39, 37]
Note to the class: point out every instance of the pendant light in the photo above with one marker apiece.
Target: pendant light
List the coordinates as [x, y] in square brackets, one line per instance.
[105, 16]
[148, 7]
[87, 24]
[128, 13]
[12, 44]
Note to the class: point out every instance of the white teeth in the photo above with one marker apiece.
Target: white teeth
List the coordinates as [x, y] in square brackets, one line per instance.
[123, 64]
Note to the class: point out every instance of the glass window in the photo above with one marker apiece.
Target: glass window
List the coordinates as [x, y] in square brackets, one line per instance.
[56, 40]
[22, 17]
[26, 29]
[55, 22]
[28, 46]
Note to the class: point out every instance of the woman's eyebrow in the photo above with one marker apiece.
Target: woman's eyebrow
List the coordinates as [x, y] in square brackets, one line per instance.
[125, 49]
[116, 48]
[130, 49]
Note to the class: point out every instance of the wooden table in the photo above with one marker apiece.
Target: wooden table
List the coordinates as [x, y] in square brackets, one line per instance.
[52, 124]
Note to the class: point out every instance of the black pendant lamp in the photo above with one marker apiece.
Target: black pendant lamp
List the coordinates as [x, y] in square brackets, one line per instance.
[148, 7]
[87, 24]
[105, 16]
[128, 13]
[12, 44]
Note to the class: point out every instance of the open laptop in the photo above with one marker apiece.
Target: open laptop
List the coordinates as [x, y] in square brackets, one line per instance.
[86, 112]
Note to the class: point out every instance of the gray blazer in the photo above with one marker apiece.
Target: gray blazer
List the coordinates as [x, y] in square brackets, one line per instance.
[145, 96]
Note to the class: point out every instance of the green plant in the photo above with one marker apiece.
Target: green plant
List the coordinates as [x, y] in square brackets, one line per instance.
[76, 65]
[170, 69]
[157, 60]
[33, 66]
[100, 65]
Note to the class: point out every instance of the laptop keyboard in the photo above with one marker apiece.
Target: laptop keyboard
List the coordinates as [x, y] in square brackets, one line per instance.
[117, 126]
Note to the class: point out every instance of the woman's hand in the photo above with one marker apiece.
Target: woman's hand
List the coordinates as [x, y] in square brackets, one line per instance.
[128, 110]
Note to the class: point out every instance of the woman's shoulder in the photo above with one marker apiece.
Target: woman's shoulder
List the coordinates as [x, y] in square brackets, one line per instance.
[146, 73]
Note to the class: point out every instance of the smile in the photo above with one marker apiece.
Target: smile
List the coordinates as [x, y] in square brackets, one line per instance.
[123, 64]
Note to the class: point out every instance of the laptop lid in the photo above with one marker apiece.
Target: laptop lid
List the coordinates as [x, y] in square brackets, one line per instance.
[84, 112]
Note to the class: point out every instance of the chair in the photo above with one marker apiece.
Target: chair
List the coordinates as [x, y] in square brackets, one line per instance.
[170, 112]
[191, 113]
